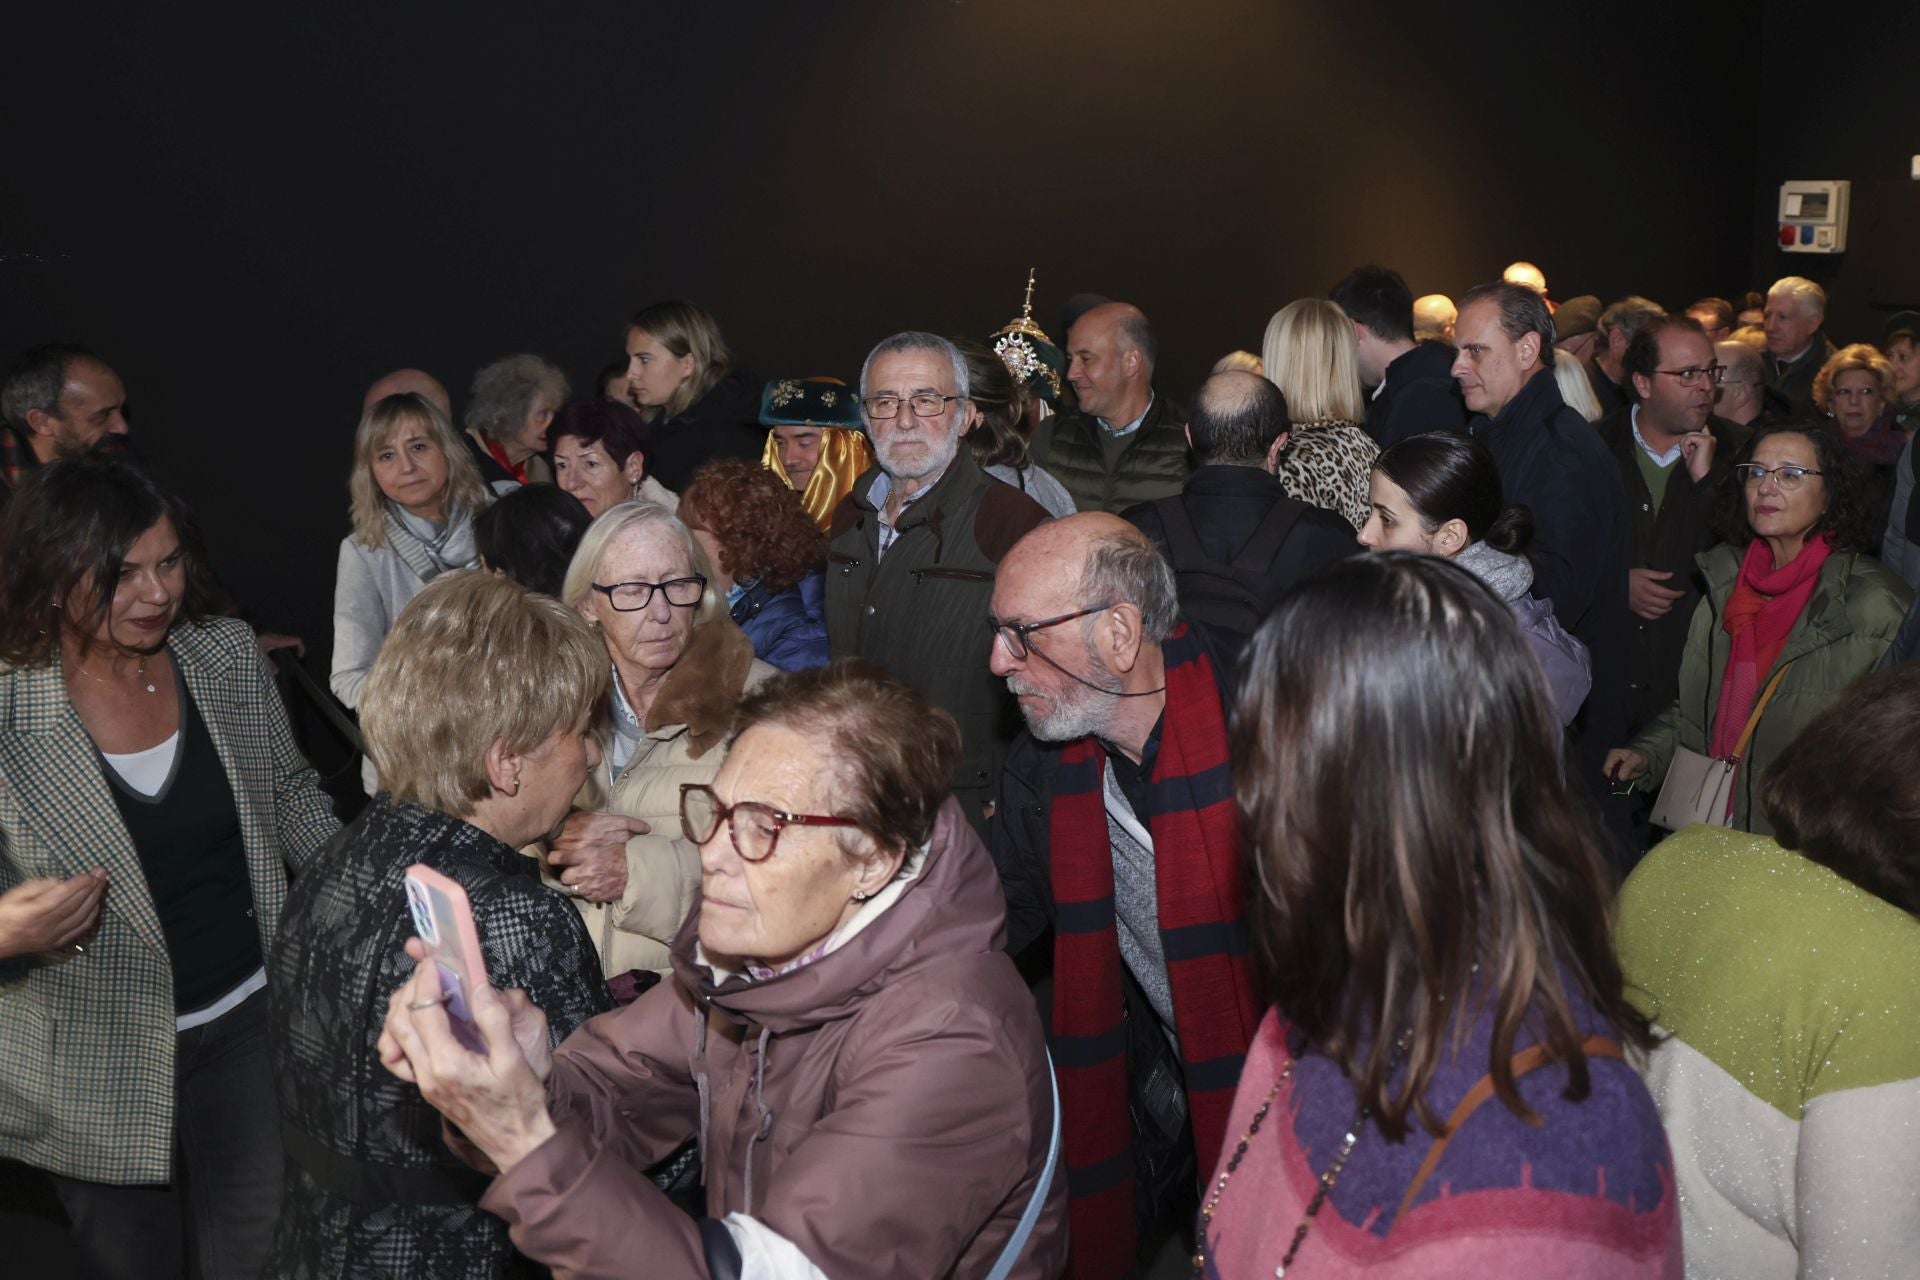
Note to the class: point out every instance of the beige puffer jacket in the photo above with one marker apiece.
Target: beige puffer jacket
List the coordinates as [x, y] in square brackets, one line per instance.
[686, 731]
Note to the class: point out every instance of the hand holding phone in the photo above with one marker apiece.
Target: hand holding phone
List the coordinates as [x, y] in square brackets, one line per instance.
[443, 920]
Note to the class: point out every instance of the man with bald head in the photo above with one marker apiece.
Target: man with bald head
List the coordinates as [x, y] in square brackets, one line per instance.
[416, 381]
[1235, 538]
[1528, 276]
[1115, 829]
[1122, 445]
[1433, 317]
[58, 401]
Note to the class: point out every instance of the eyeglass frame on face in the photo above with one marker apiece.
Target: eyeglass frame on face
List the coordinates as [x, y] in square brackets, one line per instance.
[1012, 634]
[867, 403]
[1751, 473]
[723, 815]
[608, 589]
[1716, 375]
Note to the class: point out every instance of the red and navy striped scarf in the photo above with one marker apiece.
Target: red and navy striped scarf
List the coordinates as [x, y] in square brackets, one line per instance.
[1197, 873]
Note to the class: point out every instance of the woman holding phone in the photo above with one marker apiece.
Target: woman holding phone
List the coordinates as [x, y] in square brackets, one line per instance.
[467, 779]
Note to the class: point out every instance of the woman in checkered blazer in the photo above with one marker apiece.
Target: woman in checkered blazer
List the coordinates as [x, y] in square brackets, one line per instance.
[151, 803]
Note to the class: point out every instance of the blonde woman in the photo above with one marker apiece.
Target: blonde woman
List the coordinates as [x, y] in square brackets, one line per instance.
[1326, 459]
[684, 380]
[415, 491]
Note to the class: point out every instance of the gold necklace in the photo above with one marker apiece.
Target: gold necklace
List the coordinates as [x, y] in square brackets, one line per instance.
[141, 673]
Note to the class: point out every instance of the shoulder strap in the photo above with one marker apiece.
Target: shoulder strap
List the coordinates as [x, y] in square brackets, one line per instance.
[1183, 540]
[1759, 709]
[1265, 542]
[1526, 1060]
[1003, 1266]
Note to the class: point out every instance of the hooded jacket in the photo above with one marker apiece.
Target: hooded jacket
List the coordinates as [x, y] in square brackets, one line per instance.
[882, 1111]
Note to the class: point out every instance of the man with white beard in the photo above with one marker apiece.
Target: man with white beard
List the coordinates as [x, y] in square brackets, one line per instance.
[1114, 829]
[914, 546]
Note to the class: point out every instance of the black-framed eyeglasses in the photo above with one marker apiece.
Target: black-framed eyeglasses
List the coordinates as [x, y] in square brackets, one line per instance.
[1713, 373]
[926, 404]
[1014, 634]
[755, 827]
[1788, 477]
[631, 597]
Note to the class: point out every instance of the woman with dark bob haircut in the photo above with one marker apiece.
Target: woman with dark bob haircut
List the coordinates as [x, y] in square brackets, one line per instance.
[1439, 1088]
[769, 559]
[600, 451]
[530, 536]
[843, 1034]
[1795, 610]
[145, 760]
[1786, 979]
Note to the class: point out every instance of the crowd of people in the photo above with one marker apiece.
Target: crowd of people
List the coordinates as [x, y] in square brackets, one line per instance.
[1440, 800]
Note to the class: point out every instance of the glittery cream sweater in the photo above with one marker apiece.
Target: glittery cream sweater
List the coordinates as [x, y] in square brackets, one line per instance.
[1790, 1085]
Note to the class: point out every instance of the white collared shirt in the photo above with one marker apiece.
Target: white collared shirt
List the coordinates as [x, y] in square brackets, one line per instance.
[1661, 460]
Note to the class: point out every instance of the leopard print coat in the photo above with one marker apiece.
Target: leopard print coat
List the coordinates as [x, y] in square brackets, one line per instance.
[1329, 464]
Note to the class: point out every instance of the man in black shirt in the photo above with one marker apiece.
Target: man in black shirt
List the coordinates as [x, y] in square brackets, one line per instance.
[1413, 386]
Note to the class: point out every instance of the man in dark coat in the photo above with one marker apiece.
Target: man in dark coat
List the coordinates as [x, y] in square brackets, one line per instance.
[1672, 456]
[1238, 424]
[1123, 444]
[1797, 346]
[1413, 386]
[913, 549]
[57, 401]
[1553, 462]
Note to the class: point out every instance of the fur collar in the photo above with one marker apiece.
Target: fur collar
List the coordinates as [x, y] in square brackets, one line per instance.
[703, 689]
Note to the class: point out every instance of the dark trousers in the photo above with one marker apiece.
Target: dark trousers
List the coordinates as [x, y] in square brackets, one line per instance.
[227, 1167]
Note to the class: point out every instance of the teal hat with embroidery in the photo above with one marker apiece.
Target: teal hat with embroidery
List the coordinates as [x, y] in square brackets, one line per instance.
[809, 402]
[1029, 353]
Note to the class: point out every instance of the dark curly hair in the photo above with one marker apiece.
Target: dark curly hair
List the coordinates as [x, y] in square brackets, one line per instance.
[763, 531]
[1848, 516]
[66, 531]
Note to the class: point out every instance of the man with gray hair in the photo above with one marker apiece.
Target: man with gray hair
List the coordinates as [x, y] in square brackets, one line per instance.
[1615, 329]
[1115, 830]
[1556, 465]
[1797, 349]
[1743, 397]
[57, 401]
[914, 545]
[1122, 445]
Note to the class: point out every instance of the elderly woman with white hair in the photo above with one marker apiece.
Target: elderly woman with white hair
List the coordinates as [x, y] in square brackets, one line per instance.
[1326, 458]
[509, 408]
[680, 668]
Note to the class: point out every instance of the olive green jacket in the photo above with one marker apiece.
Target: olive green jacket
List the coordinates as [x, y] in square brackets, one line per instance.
[1852, 617]
[1153, 464]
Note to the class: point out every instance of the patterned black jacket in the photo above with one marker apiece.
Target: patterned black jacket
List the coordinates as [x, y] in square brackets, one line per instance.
[371, 1189]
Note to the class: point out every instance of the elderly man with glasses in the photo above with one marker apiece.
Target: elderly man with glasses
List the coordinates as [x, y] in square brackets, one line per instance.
[1115, 830]
[914, 546]
[1672, 454]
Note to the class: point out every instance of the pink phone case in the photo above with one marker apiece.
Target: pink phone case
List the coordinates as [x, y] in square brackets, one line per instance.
[443, 920]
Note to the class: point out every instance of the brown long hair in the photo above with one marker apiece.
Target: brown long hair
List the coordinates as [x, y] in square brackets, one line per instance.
[1397, 763]
[61, 543]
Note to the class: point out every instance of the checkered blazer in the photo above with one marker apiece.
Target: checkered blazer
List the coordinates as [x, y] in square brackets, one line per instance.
[86, 1041]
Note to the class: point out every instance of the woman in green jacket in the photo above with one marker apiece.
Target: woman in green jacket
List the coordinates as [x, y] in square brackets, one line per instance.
[1791, 596]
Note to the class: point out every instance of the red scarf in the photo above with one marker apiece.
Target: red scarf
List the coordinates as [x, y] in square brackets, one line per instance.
[517, 469]
[1765, 604]
[1197, 875]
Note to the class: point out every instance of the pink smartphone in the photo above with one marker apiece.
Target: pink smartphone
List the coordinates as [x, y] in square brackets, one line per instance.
[443, 920]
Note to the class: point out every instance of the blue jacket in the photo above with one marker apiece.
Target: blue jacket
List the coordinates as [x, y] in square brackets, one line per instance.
[788, 628]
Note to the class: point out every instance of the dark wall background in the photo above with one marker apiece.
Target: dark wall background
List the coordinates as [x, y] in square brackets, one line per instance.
[252, 216]
[1862, 123]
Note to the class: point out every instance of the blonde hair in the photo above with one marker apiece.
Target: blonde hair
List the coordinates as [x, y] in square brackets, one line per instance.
[473, 660]
[378, 425]
[1858, 357]
[1571, 375]
[608, 527]
[1751, 335]
[1311, 356]
[686, 329]
[1240, 361]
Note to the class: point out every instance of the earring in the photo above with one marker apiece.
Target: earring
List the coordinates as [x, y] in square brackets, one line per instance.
[861, 897]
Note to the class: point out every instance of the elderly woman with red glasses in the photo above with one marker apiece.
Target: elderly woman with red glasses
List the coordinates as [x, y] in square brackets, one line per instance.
[858, 1058]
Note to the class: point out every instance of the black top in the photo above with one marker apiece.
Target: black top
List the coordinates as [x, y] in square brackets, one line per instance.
[190, 846]
[1611, 395]
[1418, 394]
[491, 471]
[724, 423]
